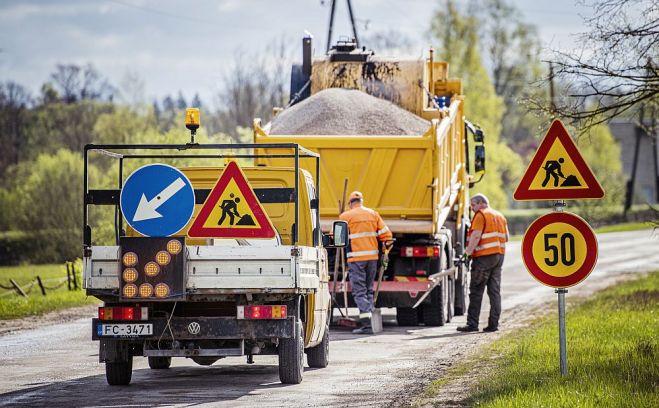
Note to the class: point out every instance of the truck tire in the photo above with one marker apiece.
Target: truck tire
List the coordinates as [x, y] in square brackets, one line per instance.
[406, 316]
[461, 291]
[435, 313]
[119, 372]
[291, 357]
[160, 363]
[318, 356]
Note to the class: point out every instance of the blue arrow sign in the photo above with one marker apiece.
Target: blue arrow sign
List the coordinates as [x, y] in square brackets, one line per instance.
[157, 200]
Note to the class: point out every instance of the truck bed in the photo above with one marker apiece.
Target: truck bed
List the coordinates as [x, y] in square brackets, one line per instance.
[223, 269]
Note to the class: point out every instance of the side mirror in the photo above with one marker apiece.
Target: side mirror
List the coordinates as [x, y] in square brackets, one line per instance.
[340, 235]
[479, 137]
[479, 158]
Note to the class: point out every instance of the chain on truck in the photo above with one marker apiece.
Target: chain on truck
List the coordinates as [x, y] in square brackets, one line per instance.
[211, 295]
[419, 183]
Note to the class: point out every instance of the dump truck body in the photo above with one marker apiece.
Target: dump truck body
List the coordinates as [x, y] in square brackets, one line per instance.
[417, 182]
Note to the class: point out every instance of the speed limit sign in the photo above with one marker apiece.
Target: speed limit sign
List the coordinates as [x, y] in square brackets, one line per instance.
[559, 249]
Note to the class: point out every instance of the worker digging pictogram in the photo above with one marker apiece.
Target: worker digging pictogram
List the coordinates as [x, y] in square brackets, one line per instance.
[231, 210]
[558, 171]
[553, 170]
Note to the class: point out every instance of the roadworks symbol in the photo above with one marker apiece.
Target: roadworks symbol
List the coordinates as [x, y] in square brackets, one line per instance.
[232, 210]
[558, 171]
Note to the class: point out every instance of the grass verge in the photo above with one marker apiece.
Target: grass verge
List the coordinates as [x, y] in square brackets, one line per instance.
[58, 296]
[613, 356]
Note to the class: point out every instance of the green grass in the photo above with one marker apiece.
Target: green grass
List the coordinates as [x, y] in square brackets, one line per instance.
[13, 306]
[613, 355]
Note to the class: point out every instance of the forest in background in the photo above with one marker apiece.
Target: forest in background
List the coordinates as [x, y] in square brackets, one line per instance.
[42, 136]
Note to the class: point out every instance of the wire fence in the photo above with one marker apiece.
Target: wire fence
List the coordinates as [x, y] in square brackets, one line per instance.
[71, 280]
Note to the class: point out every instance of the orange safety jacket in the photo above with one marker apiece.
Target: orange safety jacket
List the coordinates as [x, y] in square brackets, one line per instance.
[494, 229]
[366, 229]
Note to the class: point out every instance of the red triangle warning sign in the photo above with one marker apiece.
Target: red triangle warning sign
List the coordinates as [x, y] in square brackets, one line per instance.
[232, 210]
[558, 171]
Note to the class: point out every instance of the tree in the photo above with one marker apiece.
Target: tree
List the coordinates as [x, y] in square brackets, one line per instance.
[614, 71]
[602, 153]
[76, 83]
[388, 42]
[15, 102]
[252, 87]
[459, 46]
[512, 53]
[48, 197]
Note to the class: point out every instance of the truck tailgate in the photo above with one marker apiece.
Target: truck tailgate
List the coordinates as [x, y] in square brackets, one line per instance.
[222, 268]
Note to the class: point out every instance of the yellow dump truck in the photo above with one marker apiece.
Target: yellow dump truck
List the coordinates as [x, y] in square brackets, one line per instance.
[209, 262]
[394, 130]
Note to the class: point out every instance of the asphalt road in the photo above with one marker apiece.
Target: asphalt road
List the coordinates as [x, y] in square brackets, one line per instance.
[57, 365]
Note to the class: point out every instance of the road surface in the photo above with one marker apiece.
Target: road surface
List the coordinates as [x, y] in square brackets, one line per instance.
[57, 365]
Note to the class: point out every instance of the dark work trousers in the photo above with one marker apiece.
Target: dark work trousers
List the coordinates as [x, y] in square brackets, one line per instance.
[485, 271]
[362, 275]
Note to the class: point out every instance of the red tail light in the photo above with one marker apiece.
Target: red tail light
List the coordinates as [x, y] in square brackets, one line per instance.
[123, 313]
[262, 312]
[420, 252]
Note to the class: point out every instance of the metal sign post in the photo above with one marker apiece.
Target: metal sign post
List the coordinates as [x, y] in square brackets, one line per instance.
[562, 335]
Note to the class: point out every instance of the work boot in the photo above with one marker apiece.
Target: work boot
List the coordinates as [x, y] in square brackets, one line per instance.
[365, 328]
[467, 329]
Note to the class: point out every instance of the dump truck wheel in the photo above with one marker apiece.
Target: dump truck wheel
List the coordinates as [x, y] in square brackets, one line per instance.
[406, 316]
[119, 372]
[450, 301]
[160, 363]
[461, 291]
[435, 312]
[291, 357]
[318, 356]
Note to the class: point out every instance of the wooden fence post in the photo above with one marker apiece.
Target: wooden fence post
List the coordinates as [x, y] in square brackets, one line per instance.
[43, 290]
[68, 276]
[18, 288]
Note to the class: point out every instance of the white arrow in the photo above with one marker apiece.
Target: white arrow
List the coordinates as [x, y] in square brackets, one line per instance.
[146, 209]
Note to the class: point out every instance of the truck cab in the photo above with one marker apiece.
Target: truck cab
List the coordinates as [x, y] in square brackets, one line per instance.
[207, 298]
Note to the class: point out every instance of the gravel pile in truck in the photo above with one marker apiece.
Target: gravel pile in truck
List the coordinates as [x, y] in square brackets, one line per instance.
[337, 111]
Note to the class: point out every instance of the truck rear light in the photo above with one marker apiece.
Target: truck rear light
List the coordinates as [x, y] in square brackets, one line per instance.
[262, 312]
[123, 313]
[420, 252]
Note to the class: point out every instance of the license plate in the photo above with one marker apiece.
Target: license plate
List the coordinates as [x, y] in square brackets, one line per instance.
[133, 329]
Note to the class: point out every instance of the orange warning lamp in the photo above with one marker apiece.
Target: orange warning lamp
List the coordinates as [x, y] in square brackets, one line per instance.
[192, 121]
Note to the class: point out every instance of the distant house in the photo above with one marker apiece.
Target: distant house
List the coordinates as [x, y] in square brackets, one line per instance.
[645, 187]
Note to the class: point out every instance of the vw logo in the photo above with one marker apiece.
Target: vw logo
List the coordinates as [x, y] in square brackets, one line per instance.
[194, 328]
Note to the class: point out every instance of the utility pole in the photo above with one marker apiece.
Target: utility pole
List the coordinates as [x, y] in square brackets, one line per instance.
[654, 136]
[552, 101]
[629, 196]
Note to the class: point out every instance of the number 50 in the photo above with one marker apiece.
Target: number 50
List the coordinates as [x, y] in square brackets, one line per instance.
[566, 250]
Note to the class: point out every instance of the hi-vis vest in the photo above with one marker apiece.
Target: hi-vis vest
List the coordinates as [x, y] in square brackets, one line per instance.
[366, 229]
[492, 224]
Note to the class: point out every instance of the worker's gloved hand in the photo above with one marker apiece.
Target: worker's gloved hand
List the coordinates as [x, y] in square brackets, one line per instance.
[462, 259]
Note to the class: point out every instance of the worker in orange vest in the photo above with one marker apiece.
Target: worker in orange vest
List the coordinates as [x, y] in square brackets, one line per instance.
[486, 245]
[366, 229]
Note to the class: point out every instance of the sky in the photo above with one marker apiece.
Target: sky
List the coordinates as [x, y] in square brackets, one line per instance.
[189, 45]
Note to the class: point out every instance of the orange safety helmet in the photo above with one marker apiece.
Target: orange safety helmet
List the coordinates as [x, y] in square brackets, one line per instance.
[355, 195]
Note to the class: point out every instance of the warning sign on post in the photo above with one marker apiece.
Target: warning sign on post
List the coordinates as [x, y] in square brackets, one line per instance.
[232, 210]
[558, 171]
[559, 249]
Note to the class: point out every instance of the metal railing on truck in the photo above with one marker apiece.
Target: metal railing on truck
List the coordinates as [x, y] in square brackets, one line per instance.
[111, 196]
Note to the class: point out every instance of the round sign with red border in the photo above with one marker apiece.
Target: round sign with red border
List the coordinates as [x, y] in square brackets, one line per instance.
[559, 249]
